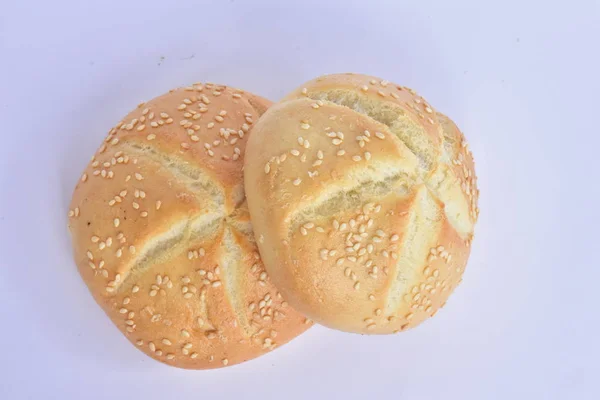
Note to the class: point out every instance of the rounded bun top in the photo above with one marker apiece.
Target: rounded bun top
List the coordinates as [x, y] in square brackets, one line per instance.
[162, 236]
[363, 200]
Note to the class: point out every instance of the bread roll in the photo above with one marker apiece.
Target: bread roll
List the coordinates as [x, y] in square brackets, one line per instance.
[363, 200]
[162, 237]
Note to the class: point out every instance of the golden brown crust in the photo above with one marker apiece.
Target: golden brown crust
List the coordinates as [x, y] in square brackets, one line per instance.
[162, 237]
[362, 217]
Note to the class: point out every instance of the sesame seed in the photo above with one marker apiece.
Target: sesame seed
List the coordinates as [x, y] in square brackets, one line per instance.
[380, 135]
[297, 181]
[341, 152]
[304, 125]
[304, 91]
[216, 284]
[364, 88]
[356, 158]
[267, 168]
[336, 141]
[225, 361]
[357, 285]
[367, 156]
[89, 255]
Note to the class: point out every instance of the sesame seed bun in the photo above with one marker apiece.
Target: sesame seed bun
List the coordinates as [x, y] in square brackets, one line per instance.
[162, 235]
[363, 200]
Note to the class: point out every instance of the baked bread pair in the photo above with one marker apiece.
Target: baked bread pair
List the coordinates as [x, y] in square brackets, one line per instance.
[362, 200]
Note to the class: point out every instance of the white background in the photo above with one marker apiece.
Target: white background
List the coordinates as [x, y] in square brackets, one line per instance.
[521, 78]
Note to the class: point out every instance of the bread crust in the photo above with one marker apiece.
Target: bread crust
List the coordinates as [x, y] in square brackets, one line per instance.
[364, 200]
[162, 236]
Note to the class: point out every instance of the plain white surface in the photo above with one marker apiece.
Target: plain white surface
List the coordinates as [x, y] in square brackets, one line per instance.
[519, 77]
